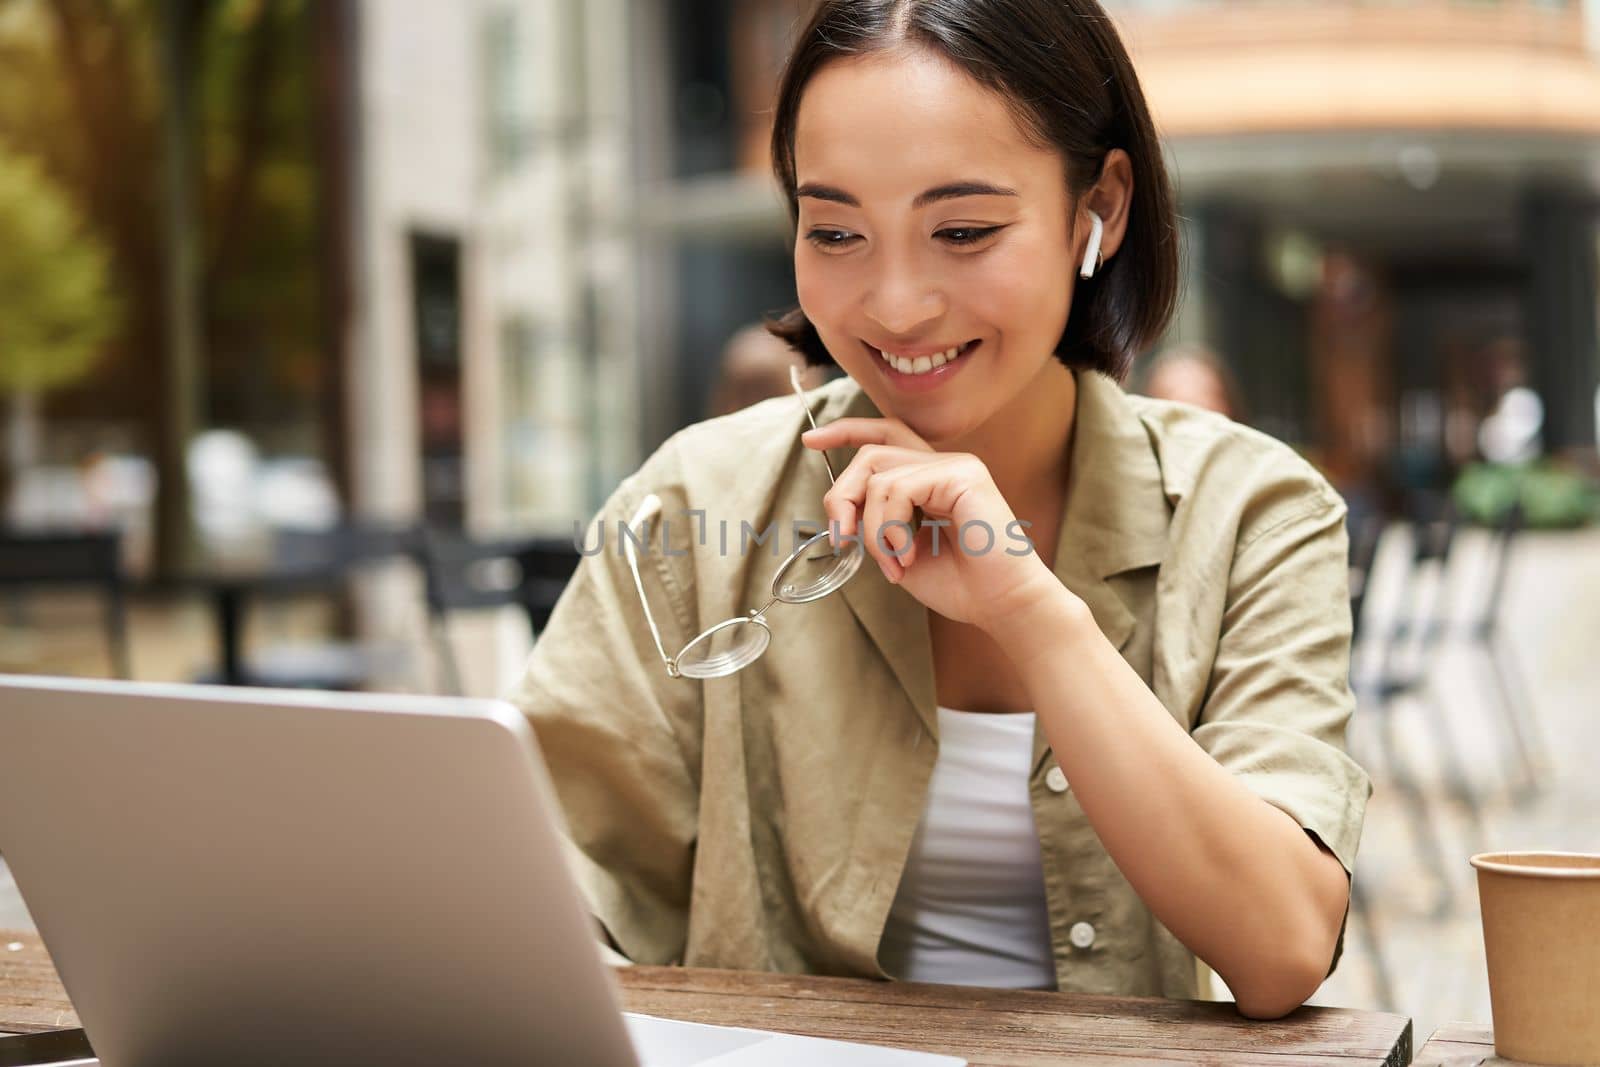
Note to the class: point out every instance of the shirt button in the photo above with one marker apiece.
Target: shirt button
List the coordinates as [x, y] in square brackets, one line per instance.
[1081, 935]
[1056, 779]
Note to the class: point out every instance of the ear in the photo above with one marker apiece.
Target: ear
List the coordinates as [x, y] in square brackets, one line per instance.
[1111, 197]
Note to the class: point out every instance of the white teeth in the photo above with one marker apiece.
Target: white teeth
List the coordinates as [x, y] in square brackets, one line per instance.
[922, 364]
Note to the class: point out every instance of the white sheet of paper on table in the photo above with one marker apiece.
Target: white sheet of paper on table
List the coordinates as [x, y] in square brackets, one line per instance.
[672, 1043]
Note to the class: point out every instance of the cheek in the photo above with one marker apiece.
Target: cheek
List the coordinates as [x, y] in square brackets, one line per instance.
[809, 286]
[1025, 291]
[818, 298]
[825, 293]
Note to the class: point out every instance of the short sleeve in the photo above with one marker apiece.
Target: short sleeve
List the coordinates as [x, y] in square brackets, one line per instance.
[620, 738]
[1279, 698]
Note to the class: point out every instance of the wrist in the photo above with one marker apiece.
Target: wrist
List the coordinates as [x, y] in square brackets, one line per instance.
[1041, 622]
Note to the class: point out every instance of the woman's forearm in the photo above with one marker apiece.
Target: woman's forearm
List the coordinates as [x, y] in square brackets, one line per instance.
[1235, 879]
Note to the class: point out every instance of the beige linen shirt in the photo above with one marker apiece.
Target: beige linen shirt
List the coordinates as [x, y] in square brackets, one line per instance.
[761, 821]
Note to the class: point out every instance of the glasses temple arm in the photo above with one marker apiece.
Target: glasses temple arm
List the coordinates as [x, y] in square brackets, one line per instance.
[648, 509]
[800, 391]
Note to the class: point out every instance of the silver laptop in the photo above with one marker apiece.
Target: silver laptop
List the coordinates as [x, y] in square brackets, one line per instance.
[261, 877]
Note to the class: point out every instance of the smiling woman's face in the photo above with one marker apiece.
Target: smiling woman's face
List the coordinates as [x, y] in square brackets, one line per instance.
[901, 250]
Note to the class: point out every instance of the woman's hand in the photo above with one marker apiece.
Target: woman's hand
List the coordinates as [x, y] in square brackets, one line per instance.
[971, 561]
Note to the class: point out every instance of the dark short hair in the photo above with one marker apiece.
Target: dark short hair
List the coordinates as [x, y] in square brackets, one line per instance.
[1067, 78]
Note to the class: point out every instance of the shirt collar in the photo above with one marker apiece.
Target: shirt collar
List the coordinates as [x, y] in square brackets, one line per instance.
[1116, 513]
[1114, 520]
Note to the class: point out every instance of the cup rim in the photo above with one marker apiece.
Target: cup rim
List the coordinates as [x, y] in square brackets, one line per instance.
[1503, 862]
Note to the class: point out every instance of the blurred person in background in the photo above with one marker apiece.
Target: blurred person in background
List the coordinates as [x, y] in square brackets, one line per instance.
[1194, 374]
[1076, 764]
[755, 366]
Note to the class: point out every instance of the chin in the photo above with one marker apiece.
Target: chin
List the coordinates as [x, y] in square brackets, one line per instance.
[941, 428]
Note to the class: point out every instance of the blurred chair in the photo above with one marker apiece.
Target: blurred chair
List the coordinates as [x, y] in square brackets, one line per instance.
[313, 560]
[344, 548]
[464, 574]
[1511, 695]
[1406, 653]
[1365, 531]
[1413, 646]
[36, 560]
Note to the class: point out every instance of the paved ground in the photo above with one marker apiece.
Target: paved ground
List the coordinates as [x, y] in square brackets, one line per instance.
[1434, 959]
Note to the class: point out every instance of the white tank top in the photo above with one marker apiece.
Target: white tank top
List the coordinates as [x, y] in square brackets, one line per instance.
[971, 907]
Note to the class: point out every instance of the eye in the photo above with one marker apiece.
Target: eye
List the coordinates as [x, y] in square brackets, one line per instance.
[967, 235]
[828, 240]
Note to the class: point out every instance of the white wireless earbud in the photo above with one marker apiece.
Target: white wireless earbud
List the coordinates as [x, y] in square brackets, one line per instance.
[1091, 255]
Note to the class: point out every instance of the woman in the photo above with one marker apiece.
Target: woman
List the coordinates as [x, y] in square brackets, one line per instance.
[1106, 744]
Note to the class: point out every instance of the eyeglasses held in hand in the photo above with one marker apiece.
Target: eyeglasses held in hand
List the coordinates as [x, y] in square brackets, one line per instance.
[813, 570]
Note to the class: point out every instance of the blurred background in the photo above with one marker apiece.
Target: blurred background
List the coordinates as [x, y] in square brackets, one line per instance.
[322, 321]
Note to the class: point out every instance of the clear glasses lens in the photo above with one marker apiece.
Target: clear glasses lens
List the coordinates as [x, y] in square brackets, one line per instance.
[724, 648]
[815, 569]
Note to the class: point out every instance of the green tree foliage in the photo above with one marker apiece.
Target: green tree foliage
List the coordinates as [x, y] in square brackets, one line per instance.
[56, 307]
[80, 91]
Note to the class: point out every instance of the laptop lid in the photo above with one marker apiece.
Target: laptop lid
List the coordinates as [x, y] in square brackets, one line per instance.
[258, 877]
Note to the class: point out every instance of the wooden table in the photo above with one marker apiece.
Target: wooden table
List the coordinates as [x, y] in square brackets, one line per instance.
[31, 997]
[1461, 1045]
[990, 1028]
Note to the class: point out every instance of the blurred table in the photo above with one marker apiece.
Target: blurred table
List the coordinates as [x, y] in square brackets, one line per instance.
[1461, 1045]
[287, 562]
[989, 1027]
[230, 590]
[31, 997]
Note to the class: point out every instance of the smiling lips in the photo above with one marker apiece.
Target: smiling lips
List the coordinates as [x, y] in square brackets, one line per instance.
[924, 364]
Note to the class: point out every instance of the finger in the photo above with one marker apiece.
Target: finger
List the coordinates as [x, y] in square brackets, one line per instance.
[957, 487]
[844, 501]
[886, 521]
[921, 544]
[942, 487]
[855, 432]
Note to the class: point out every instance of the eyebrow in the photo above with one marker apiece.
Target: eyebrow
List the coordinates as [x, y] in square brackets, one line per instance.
[949, 191]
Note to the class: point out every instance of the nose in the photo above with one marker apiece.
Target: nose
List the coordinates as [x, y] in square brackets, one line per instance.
[902, 301]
